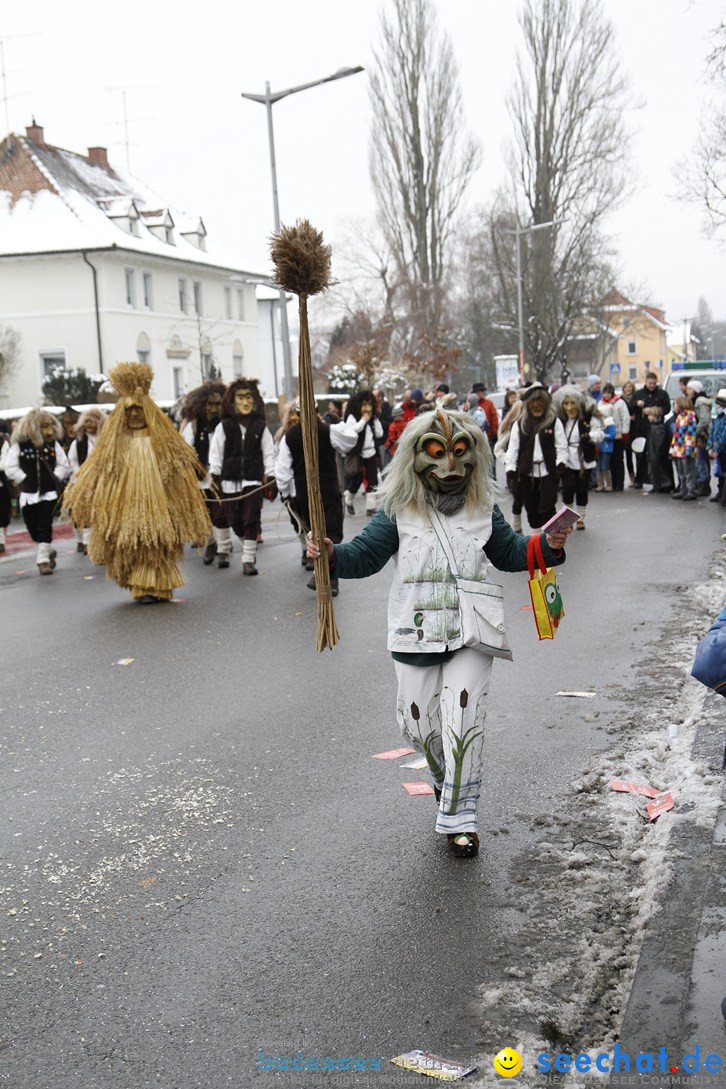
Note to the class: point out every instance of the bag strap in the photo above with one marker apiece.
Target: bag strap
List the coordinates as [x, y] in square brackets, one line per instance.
[535, 555]
[443, 541]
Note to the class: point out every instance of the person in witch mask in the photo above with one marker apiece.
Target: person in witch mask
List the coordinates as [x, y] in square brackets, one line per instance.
[201, 413]
[439, 523]
[242, 462]
[583, 429]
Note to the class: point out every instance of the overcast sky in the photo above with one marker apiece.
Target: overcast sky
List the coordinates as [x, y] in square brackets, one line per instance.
[204, 148]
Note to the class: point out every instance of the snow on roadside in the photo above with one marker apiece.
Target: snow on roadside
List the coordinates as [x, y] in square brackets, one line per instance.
[600, 868]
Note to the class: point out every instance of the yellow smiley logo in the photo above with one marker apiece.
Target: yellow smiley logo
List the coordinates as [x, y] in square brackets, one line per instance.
[508, 1062]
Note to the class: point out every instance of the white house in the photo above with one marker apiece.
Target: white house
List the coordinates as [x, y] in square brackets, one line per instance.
[95, 268]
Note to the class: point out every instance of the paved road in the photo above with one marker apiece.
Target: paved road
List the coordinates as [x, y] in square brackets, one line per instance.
[203, 862]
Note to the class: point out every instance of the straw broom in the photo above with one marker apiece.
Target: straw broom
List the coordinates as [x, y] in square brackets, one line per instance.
[302, 266]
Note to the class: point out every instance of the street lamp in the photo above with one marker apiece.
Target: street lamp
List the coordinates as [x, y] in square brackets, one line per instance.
[268, 99]
[518, 232]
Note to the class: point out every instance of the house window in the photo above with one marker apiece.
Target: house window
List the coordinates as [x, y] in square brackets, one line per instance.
[143, 348]
[134, 227]
[633, 374]
[168, 231]
[632, 347]
[240, 304]
[207, 362]
[237, 359]
[228, 302]
[146, 280]
[177, 381]
[130, 281]
[52, 362]
[197, 285]
[182, 295]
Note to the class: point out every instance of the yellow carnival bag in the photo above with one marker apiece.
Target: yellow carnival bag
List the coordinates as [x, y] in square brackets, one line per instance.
[544, 591]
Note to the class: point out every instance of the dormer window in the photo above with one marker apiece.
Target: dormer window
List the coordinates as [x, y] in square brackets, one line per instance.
[161, 224]
[195, 233]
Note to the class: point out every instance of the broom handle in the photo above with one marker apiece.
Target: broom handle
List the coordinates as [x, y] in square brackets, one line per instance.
[327, 630]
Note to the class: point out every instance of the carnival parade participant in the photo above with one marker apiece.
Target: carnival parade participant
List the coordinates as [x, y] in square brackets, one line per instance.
[292, 481]
[87, 429]
[242, 462]
[38, 463]
[5, 498]
[362, 461]
[583, 429]
[442, 528]
[201, 413]
[537, 449]
[139, 492]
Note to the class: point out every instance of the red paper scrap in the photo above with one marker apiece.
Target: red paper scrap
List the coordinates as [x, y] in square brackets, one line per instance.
[418, 788]
[392, 754]
[526, 608]
[662, 803]
[633, 788]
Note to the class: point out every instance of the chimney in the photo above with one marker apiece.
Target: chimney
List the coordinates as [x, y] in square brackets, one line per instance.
[35, 133]
[99, 155]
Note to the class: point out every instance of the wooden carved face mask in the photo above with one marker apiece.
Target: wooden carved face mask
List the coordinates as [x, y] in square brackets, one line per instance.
[444, 459]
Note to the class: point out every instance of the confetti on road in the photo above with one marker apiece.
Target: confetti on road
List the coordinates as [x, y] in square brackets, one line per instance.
[578, 695]
[624, 787]
[525, 608]
[415, 764]
[418, 788]
[87, 578]
[661, 804]
[124, 661]
[392, 754]
[21, 572]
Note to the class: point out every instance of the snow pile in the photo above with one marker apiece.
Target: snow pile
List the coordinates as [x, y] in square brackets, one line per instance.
[600, 871]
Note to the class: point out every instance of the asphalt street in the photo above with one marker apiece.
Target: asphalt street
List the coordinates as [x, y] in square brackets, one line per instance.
[202, 863]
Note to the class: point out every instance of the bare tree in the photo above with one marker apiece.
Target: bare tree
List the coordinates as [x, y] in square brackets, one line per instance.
[9, 353]
[421, 164]
[567, 159]
[704, 183]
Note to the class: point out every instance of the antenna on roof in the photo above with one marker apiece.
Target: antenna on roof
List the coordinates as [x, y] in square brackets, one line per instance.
[122, 91]
[4, 39]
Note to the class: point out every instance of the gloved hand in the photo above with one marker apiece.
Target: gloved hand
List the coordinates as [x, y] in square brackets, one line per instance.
[270, 489]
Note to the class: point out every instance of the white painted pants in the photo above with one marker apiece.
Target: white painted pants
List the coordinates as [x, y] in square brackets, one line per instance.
[441, 712]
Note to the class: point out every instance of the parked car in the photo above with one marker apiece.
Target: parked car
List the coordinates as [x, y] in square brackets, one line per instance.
[713, 376]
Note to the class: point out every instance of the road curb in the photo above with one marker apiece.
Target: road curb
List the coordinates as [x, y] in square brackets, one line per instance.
[665, 1006]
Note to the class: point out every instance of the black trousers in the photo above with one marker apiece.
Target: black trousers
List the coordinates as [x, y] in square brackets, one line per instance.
[5, 505]
[575, 486]
[332, 509]
[38, 518]
[353, 481]
[539, 498]
[243, 512]
[617, 465]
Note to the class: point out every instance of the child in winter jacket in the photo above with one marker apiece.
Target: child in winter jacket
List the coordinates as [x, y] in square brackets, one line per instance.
[683, 448]
[717, 447]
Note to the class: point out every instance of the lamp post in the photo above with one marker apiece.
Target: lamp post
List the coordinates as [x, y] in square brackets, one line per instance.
[518, 232]
[268, 99]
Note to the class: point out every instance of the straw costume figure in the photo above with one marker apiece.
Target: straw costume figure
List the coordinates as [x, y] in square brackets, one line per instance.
[139, 493]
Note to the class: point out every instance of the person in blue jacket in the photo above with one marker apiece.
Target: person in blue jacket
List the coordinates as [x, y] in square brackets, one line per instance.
[441, 526]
